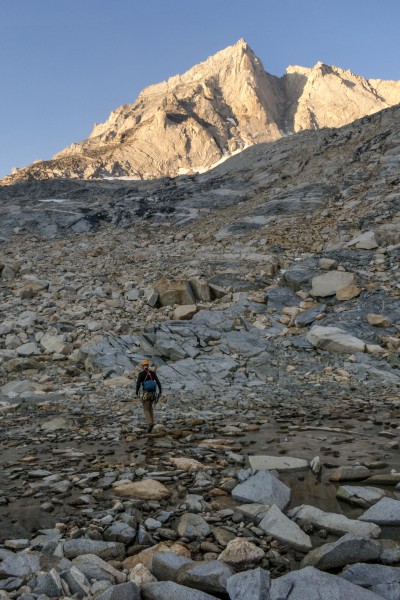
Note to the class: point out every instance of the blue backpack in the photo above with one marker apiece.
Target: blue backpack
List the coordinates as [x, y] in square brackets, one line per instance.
[149, 385]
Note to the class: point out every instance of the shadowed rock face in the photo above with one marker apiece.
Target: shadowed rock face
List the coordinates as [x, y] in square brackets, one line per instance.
[217, 108]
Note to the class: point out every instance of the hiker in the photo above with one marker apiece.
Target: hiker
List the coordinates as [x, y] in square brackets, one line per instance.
[148, 380]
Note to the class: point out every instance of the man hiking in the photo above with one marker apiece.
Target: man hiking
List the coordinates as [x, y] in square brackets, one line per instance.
[148, 380]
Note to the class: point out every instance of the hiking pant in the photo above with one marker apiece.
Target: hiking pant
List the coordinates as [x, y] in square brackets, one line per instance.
[148, 400]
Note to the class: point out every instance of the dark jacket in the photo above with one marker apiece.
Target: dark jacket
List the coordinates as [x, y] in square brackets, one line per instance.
[143, 376]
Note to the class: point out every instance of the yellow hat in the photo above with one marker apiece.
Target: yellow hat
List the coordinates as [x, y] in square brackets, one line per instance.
[144, 362]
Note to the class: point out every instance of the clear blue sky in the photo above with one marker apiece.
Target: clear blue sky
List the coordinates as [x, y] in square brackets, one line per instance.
[66, 64]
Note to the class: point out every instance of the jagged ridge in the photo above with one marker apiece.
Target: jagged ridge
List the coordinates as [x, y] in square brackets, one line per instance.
[217, 108]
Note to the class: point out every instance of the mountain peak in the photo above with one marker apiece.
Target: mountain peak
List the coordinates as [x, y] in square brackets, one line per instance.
[217, 108]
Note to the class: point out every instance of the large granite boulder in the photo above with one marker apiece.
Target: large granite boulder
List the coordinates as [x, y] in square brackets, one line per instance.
[263, 488]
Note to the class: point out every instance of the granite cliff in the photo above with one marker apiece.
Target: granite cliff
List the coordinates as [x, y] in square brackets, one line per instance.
[219, 107]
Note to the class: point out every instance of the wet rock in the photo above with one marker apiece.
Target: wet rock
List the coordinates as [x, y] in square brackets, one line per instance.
[347, 550]
[384, 512]
[252, 585]
[355, 473]
[379, 579]
[307, 515]
[263, 488]
[360, 495]
[276, 524]
[282, 464]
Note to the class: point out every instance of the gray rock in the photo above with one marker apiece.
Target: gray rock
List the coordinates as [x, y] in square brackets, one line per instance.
[384, 512]
[380, 579]
[123, 591]
[347, 550]
[329, 283]
[77, 581]
[164, 565]
[207, 576]
[277, 463]
[49, 584]
[107, 550]
[311, 584]
[193, 526]
[359, 495]
[355, 473]
[275, 523]
[334, 339]
[119, 532]
[19, 565]
[168, 590]
[339, 524]
[95, 567]
[250, 585]
[263, 488]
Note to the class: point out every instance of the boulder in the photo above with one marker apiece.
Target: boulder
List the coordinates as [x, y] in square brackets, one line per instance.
[359, 495]
[250, 585]
[208, 576]
[200, 289]
[378, 320]
[95, 567]
[106, 550]
[329, 283]
[185, 312]
[384, 512]
[365, 241]
[123, 591]
[334, 339]
[146, 489]
[240, 553]
[145, 557]
[165, 565]
[306, 515]
[311, 584]
[174, 292]
[379, 579]
[277, 463]
[347, 550]
[348, 292]
[355, 473]
[193, 526]
[263, 488]
[276, 524]
[168, 590]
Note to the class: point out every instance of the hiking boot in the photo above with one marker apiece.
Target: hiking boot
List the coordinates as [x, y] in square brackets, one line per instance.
[150, 428]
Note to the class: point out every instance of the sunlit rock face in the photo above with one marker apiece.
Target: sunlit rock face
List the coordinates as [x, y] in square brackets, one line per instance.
[216, 109]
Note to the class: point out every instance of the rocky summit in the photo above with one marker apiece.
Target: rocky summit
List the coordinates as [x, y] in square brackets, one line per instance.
[216, 109]
[266, 292]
